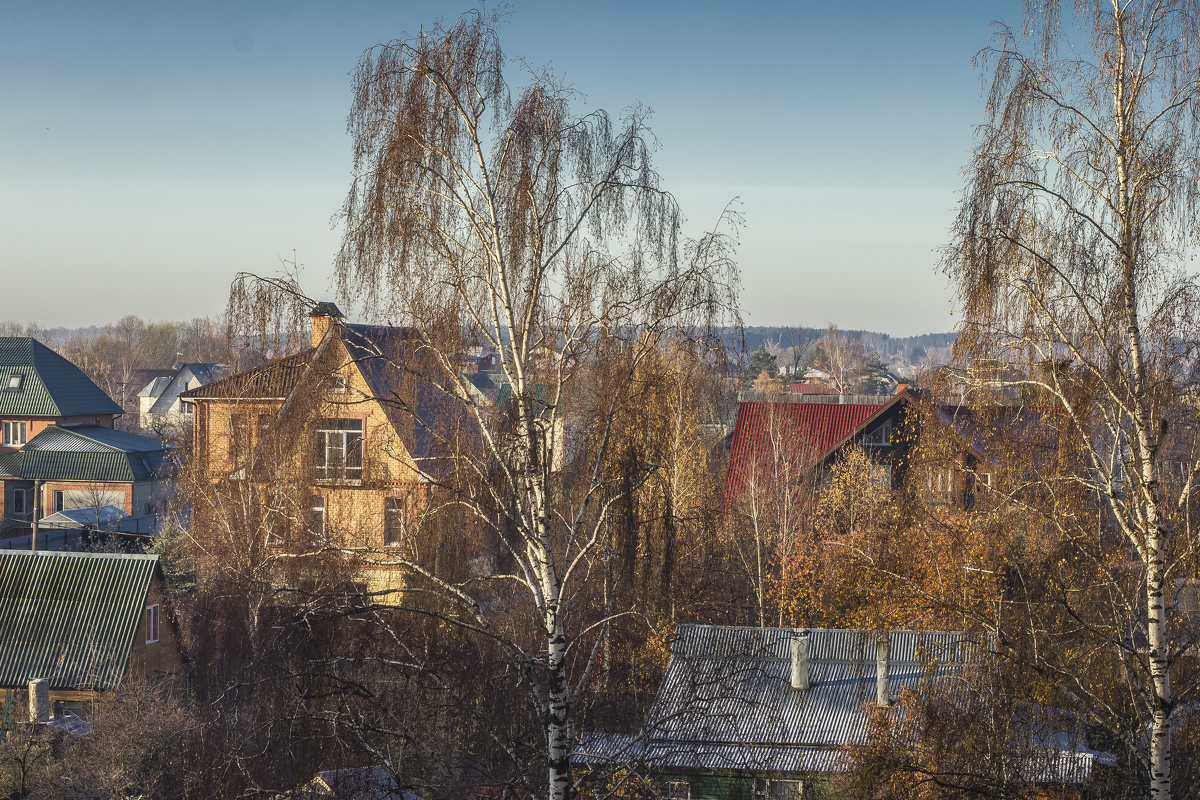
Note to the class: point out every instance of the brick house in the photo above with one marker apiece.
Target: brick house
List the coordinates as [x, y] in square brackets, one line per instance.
[68, 467]
[58, 442]
[337, 415]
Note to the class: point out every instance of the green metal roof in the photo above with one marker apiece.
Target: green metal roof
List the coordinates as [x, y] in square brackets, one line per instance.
[85, 453]
[49, 385]
[70, 617]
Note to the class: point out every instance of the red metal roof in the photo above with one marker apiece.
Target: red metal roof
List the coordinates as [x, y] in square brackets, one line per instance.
[812, 429]
[812, 388]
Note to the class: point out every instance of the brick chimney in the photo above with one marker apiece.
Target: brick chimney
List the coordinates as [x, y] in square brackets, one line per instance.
[323, 317]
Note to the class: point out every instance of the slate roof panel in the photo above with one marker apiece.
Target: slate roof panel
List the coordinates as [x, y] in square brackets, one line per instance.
[70, 617]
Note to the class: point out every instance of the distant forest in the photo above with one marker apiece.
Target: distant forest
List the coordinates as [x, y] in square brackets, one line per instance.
[795, 346]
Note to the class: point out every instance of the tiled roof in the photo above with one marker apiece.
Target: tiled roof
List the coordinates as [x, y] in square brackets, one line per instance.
[812, 430]
[273, 380]
[70, 617]
[50, 385]
[85, 453]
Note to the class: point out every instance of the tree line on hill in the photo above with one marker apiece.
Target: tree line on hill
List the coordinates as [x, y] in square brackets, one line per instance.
[545, 571]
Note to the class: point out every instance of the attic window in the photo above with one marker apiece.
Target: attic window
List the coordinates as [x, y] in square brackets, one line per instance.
[880, 437]
[15, 380]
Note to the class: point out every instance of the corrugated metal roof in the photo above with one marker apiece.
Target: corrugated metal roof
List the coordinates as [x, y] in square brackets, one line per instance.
[731, 685]
[50, 385]
[811, 430]
[726, 701]
[70, 617]
[85, 453]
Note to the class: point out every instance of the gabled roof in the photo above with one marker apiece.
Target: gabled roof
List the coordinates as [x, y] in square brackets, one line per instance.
[155, 387]
[273, 380]
[86, 453]
[726, 701]
[49, 385]
[70, 617]
[811, 430]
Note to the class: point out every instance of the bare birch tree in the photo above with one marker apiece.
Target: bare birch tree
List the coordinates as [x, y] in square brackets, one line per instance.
[1070, 260]
[486, 216]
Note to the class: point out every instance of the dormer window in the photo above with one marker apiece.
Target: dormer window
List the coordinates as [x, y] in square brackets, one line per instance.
[15, 381]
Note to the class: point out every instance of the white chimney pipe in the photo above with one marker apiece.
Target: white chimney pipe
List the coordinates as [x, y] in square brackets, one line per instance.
[39, 700]
[800, 660]
[882, 697]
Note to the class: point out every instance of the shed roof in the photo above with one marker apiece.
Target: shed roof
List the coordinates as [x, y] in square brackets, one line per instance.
[86, 453]
[48, 384]
[70, 617]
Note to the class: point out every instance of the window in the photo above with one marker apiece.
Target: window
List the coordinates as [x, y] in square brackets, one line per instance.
[881, 436]
[771, 789]
[188, 408]
[18, 503]
[239, 438]
[339, 450]
[14, 433]
[941, 483]
[338, 383]
[60, 500]
[393, 522]
[151, 615]
[316, 516]
[881, 476]
[678, 790]
[15, 381]
[265, 421]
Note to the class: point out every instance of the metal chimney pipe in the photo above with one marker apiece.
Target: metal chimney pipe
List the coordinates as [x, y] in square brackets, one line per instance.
[39, 700]
[882, 697]
[800, 660]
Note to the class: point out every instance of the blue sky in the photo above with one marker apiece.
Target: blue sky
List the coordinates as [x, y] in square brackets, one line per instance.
[150, 151]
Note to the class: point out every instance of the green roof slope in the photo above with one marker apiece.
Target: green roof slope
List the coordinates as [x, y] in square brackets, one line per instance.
[50, 385]
[86, 453]
[70, 617]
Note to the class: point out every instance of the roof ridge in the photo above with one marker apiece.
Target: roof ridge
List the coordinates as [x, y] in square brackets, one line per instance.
[71, 429]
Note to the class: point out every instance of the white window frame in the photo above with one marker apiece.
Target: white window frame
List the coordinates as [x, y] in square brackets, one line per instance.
[16, 433]
[337, 440]
[60, 500]
[881, 436]
[317, 504]
[764, 789]
[153, 623]
[394, 508]
[16, 381]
